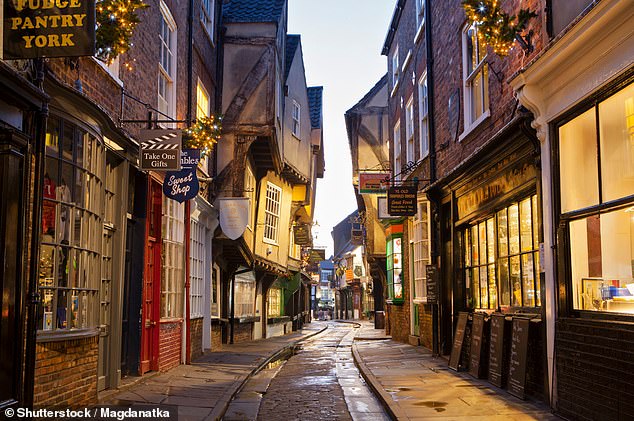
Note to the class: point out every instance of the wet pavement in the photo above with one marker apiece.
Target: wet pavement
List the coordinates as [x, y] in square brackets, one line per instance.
[416, 386]
[319, 382]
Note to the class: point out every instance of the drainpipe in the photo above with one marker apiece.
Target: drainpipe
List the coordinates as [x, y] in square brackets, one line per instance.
[38, 149]
[432, 169]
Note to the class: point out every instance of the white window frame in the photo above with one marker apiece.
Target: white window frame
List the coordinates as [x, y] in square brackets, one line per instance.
[168, 53]
[272, 211]
[478, 73]
[173, 251]
[397, 150]
[274, 302]
[245, 295]
[296, 117]
[249, 190]
[294, 251]
[409, 131]
[197, 268]
[420, 19]
[421, 250]
[423, 116]
[203, 109]
[207, 18]
[396, 70]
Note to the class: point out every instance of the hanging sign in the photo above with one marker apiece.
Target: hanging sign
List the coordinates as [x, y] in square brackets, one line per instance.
[48, 28]
[302, 234]
[317, 255]
[160, 150]
[373, 182]
[401, 200]
[381, 205]
[234, 215]
[183, 185]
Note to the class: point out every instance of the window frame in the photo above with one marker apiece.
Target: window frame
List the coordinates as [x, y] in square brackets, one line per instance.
[274, 300]
[480, 71]
[420, 19]
[167, 103]
[410, 148]
[172, 264]
[296, 114]
[272, 212]
[208, 19]
[398, 164]
[420, 234]
[394, 258]
[423, 116]
[396, 69]
[197, 257]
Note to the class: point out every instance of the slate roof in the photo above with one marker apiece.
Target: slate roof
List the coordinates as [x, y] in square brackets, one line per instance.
[315, 94]
[253, 10]
[292, 42]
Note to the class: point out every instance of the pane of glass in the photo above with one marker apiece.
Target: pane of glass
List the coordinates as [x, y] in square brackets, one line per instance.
[68, 142]
[476, 287]
[49, 213]
[493, 301]
[64, 224]
[490, 241]
[476, 97]
[485, 87]
[483, 243]
[469, 288]
[52, 137]
[47, 266]
[526, 226]
[503, 241]
[474, 244]
[516, 281]
[74, 310]
[62, 305]
[472, 40]
[64, 192]
[79, 144]
[538, 284]
[616, 134]
[72, 268]
[467, 248]
[528, 278]
[77, 222]
[46, 310]
[79, 187]
[514, 229]
[578, 149]
[63, 265]
[484, 296]
[504, 282]
[535, 223]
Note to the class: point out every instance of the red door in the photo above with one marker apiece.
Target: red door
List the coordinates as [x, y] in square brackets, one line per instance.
[151, 282]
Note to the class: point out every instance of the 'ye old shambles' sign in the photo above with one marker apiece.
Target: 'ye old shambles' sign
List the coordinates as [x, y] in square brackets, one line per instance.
[48, 28]
[183, 185]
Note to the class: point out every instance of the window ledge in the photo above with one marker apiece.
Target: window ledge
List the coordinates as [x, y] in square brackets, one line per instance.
[474, 125]
[105, 67]
[422, 300]
[395, 88]
[277, 319]
[419, 32]
[67, 335]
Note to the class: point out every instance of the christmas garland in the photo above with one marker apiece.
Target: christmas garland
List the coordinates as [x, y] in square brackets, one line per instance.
[116, 20]
[496, 28]
[204, 134]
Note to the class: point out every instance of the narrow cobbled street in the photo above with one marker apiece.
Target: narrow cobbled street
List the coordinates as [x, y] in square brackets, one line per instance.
[319, 382]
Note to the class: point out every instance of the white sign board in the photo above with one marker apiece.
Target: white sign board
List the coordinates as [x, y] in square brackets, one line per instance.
[382, 208]
[234, 215]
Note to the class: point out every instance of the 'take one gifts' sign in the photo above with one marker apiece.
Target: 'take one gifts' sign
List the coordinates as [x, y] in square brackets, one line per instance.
[48, 28]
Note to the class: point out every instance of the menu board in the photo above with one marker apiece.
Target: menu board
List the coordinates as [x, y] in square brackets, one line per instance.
[458, 339]
[432, 284]
[477, 339]
[496, 350]
[519, 351]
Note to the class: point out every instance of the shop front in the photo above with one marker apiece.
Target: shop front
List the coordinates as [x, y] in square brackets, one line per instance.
[490, 263]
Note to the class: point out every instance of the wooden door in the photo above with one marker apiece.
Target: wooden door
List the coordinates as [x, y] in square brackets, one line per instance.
[151, 283]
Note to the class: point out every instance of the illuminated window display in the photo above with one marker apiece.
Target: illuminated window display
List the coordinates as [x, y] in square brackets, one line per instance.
[394, 251]
[597, 204]
[72, 228]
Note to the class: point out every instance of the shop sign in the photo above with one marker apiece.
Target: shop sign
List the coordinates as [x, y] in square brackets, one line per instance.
[302, 234]
[401, 200]
[373, 182]
[349, 275]
[48, 28]
[183, 185]
[432, 284]
[316, 256]
[234, 215]
[160, 150]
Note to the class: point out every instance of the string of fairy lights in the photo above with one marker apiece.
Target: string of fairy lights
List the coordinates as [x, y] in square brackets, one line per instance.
[204, 134]
[495, 27]
[116, 20]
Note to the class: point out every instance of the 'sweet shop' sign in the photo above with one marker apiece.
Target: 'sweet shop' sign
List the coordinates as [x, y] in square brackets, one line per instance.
[48, 28]
[183, 185]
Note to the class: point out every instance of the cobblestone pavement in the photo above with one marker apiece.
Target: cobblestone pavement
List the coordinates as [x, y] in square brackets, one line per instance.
[320, 382]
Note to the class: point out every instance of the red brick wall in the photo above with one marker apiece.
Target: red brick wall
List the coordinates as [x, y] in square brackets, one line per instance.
[196, 337]
[216, 336]
[169, 345]
[425, 323]
[66, 373]
[242, 332]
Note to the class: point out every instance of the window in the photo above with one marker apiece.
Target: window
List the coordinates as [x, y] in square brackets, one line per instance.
[207, 16]
[167, 63]
[397, 151]
[501, 258]
[202, 110]
[596, 192]
[294, 251]
[421, 249]
[296, 117]
[409, 130]
[272, 212]
[394, 252]
[423, 120]
[245, 295]
[249, 189]
[396, 70]
[75, 247]
[215, 291]
[274, 302]
[475, 79]
[420, 17]
[173, 274]
[197, 251]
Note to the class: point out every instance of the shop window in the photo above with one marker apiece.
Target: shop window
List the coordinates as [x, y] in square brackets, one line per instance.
[501, 259]
[196, 268]
[420, 251]
[274, 302]
[173, 254]
[475, 77]
[74, 252]
[597, 204]
[245, 295]
[394, 252]
[272, 212]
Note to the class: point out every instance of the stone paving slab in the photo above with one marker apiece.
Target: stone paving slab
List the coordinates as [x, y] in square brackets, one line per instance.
[414, 385]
